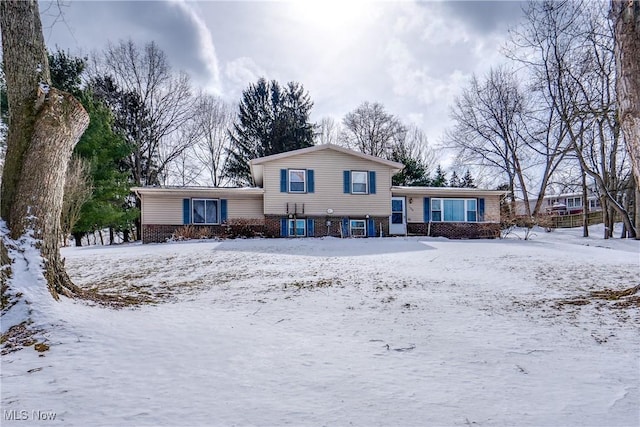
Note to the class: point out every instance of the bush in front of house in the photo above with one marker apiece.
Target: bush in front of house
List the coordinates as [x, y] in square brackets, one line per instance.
[245, 228]
[190, 232]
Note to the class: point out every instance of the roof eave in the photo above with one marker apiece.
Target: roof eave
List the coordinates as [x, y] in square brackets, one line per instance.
[446, 191]
[198, 190]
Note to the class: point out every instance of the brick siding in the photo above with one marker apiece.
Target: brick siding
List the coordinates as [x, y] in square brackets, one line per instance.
[161, 233]
[321, 229]
[271, 228]
[456, 230]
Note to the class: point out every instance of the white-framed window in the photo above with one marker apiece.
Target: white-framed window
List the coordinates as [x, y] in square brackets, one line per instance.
[297, 227]
[205, 211]
[594, 203]
[297, 180]
[454, 210]
[436, 210]
[471, 210]
[574, 202]
[359, 182]
[358, 228]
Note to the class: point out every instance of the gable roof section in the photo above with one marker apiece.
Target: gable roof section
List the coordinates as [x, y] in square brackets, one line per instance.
[256, 164]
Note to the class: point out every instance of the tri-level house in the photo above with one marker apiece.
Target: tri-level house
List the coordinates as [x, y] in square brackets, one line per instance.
[324, 190]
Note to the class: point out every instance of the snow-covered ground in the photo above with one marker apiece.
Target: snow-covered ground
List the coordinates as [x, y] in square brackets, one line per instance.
[394, 332]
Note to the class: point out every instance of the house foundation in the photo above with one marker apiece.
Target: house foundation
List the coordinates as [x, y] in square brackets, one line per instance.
[456, 230]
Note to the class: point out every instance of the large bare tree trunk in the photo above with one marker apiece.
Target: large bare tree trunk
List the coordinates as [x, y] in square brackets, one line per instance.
[44, 126]
[626, 18]
[585, 206]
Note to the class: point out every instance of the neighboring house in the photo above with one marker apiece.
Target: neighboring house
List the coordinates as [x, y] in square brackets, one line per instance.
[570, 203]
[324, 190]
[564, 204]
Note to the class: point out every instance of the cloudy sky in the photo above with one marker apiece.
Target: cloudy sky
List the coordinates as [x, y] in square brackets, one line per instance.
[413, 57]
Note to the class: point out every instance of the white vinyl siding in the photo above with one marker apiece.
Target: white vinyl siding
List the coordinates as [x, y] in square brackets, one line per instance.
[168, 210]
[328, 166]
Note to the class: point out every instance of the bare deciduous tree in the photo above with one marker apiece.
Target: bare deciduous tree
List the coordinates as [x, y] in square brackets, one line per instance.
[165, 96]
[328, 131]
[212, 121]
[568, 46]
[371, 130]
[184, 170]
[490, 127]
[77, 190]
[44, 126]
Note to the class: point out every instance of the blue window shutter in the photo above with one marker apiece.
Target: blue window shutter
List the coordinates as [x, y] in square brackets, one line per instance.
[372, 182]
[427, 209]
[345, 227]
[311, 186]
[283, 227]
[283, 181]
[186, 211]
[480, 210]
[371, 228]
[347, 181]
[310, 228]
[223, 210]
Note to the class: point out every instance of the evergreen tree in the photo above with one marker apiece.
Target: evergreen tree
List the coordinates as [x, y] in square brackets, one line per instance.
[66, 71]
[414, 172]
[454, 181]
[467, 180]
[130, 121]
[109, 204]
[271, 120]
[440, 180]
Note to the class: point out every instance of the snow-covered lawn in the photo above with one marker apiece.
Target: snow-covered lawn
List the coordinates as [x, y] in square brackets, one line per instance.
[395, 331]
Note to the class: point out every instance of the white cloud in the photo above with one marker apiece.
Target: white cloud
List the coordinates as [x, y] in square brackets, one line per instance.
[413, 57]
[207, 50]
[412, 78]
[239, 73]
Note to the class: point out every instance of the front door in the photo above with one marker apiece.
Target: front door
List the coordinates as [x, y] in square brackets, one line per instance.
[398, 220]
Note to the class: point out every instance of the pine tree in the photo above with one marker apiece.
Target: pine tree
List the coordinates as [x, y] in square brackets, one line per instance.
[271, 120]
[440, 180]
[454, 181]
[415, 169]
[66, 71]
[467, 180]
[109, 205]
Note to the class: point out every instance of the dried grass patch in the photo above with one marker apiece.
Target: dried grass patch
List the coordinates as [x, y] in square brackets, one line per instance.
[625, 298]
